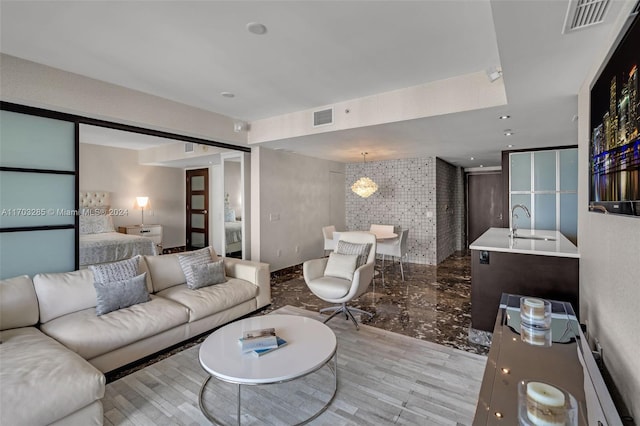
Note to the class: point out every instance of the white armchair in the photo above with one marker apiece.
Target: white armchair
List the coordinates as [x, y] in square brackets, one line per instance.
[342, 290]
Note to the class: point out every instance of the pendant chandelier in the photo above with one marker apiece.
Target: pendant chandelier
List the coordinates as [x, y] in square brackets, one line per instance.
[364, 186]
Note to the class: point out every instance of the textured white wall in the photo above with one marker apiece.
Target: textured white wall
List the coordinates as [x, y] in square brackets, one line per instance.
[294, 204]
[117, 170]
[609, 276]
[406, 197]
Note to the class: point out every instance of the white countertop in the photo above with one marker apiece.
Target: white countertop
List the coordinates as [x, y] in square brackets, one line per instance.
[498, 239]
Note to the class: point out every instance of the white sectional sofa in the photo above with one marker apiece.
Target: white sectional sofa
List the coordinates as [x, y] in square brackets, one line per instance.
[55, 348]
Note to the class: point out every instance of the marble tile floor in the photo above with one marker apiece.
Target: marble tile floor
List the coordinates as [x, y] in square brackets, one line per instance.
[433, 303]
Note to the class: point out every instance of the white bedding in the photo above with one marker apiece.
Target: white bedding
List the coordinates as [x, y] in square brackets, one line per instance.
[233, 236]
[113, 246]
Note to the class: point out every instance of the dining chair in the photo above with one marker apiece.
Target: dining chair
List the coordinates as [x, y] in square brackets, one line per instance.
[381, 229]
[394, 248]
[329, 241]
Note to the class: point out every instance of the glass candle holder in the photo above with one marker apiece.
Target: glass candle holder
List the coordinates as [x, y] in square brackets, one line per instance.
[542, 404]
[535, 312]
[536, 336]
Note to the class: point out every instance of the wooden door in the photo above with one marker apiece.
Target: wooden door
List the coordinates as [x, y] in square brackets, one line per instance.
[197, 209]
[484, 203]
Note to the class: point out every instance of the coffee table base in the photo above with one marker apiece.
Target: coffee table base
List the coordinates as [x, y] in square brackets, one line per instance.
[332, 366]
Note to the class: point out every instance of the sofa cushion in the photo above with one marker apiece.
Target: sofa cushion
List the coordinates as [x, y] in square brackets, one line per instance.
[190, 259]
[207, 301]
[341, 266]
[63, 293]
[42, 381]
[90, 335]
[207, 274]
[18, 303]
[330, 287]
[116, 271]
[165, 271]
[115, 295]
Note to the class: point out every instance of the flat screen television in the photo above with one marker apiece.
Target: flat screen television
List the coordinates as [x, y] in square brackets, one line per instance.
[614, 152]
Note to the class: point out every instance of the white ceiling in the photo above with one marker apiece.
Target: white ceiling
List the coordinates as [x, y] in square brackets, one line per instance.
[316, 53]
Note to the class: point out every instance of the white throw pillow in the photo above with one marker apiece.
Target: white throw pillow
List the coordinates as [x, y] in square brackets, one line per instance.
[341, 266]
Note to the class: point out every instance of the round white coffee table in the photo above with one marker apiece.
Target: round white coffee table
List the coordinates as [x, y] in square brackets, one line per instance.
[310, 346]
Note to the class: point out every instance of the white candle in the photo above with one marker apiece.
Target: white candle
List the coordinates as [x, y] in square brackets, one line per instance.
[545, 394]
[533, 308]
[545, 405]
[533, 303]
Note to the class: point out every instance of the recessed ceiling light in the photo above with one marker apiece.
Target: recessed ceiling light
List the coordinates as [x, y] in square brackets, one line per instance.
[508, 132]
[504, 117]
[510, 145]
[256, 28]
[227, 94]
[471, 158]
[481, 165]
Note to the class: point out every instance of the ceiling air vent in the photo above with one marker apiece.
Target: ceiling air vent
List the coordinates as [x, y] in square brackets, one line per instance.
[584, 13]
[322, 118]
[188, 147]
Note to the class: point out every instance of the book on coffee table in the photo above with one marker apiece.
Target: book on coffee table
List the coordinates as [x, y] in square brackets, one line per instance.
[260, 352]
[258, 339]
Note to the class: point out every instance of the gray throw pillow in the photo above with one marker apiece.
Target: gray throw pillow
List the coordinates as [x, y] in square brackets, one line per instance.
[207, 274]
[187, 260]
[341, 266]
[116, 271]
[362, 250]
[115, 295]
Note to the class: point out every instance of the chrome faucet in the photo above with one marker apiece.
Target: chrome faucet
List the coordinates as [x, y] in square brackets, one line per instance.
[514, 228]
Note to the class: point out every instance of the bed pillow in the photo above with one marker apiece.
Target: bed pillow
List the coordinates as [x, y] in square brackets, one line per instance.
[341, 265]
[116, 271]
[229, 215]
[207, 274]
[187, 260]
[114, 295]
[96, 224]
[362, 250]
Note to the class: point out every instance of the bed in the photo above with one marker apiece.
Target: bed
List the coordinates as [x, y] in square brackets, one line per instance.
[232, 231]
[233, 236]
[99, 241]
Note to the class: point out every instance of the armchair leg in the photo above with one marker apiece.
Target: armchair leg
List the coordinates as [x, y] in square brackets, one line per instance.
[343, 309]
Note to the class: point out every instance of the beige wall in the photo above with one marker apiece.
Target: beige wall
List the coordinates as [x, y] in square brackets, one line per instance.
[291, 207]
[609, 276]
[117, 170]
[38, 85]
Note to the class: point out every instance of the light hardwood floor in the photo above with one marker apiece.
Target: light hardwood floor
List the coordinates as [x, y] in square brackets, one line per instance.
[384, 378]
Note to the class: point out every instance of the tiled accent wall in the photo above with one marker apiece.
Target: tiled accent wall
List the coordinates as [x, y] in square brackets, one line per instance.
[406, 196]
[450, 216]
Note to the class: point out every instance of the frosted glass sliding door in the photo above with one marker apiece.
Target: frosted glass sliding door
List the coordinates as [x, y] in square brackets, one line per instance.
[38, 181]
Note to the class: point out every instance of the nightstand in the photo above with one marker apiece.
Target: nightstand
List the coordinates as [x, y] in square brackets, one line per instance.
[150, 231]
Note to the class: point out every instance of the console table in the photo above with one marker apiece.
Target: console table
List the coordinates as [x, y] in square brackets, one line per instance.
[567, 363]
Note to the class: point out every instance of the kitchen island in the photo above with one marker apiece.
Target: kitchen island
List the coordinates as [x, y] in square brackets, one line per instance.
[535, 263]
